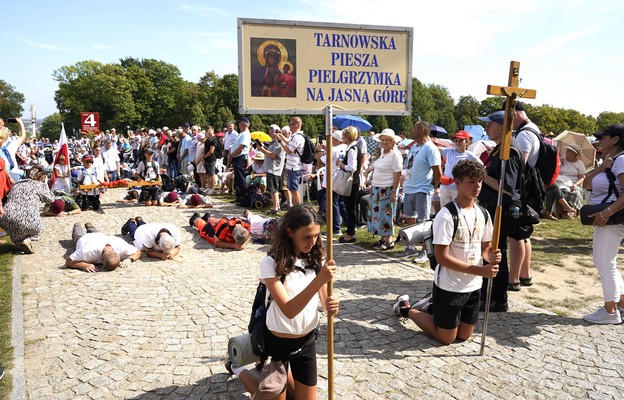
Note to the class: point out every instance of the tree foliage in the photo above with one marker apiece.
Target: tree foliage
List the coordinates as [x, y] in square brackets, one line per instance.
[10, 101]
[152, 93]
[51, 127]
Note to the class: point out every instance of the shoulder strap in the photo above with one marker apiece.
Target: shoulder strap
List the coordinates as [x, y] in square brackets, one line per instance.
[270, 299]
[453, 210]
[612, 178]
[528, 128]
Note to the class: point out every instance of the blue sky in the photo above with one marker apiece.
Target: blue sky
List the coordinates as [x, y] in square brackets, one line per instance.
[571, 51]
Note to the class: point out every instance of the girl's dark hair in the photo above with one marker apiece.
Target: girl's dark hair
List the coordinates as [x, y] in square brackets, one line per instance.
[283, 248]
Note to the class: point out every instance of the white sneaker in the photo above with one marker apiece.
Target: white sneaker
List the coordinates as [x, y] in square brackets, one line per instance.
[620, 309]
[603, 317]
[421, 257]
[401, 301]
[423, 303]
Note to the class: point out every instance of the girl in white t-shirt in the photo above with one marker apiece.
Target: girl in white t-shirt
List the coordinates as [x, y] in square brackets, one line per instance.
[297, 254]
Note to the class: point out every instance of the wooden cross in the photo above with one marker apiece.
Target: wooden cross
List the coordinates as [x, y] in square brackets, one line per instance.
[512, 92]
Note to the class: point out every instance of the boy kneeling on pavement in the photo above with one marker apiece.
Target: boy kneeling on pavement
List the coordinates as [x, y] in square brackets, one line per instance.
[460, 270]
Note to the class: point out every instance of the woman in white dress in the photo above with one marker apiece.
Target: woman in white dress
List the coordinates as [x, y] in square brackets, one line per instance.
[62, 173]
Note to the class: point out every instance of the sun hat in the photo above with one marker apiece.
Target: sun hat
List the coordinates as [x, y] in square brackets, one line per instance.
[575, 148]
[259, 156]
[337, 134]
[388, 133]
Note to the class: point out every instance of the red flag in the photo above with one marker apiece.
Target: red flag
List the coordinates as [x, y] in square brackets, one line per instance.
[60, 149]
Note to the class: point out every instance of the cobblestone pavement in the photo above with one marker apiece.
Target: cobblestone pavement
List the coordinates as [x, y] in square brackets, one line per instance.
[159, 329]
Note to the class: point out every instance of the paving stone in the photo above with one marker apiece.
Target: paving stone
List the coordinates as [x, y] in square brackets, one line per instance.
[159, 329]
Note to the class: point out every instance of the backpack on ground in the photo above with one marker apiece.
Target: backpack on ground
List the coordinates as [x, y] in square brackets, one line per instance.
[454, 213]
[548, 162]
[183, 183]
[168, 185]
[307, 155]
[252, 196]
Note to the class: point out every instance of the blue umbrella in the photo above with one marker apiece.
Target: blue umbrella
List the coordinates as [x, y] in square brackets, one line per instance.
[436, 129]
[342, 121]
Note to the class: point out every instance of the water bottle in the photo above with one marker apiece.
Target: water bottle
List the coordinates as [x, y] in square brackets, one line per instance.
[515, 212]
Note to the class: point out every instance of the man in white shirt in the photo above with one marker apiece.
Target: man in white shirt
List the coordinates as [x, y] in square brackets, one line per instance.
[94, 248]
[158, 240]
[294, 166]
[111, 160]
[528, 143]
[239, 157]
[230, 138]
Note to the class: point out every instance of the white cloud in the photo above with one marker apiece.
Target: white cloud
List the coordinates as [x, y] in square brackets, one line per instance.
[46, 46]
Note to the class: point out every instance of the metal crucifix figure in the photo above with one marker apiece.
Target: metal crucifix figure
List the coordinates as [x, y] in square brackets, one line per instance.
[512, 92]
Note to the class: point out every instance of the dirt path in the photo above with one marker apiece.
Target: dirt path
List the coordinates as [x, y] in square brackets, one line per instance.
[565, 289]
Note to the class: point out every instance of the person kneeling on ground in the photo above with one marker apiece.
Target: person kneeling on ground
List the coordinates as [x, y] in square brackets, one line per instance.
[157, 240]
[195, 201]
[148, 170]
[94, 248]
[225, 232]
[458, 275]
[61, 207]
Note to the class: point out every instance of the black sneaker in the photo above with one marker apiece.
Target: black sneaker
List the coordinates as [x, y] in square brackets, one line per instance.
[138, 219]
[193, 218]
[495, 306]
[124, 228]
[205, 217]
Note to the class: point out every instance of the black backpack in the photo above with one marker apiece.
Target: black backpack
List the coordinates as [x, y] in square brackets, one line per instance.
[218, 151]
[548, 162]
[257, 324]
[307, 156]
[453, 210]
[168, 184]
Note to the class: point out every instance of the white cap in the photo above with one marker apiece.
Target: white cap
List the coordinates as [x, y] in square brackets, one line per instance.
[337, 134]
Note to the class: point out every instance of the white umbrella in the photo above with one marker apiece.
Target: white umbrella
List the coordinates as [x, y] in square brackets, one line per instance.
[588, 152]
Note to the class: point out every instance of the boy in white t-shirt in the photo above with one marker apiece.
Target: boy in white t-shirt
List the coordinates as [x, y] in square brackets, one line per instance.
[458, 275]
[448, 189]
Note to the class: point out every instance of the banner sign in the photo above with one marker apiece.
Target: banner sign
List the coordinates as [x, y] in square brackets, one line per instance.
[301, 67]
[90, 121]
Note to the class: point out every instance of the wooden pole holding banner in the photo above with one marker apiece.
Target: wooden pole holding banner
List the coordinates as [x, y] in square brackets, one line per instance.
[329, 212]
[512, 92]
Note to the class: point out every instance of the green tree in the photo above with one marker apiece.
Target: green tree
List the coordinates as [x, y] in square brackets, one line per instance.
[97, 87]
[158, 86]
[423, 104]
[607, 118]
[51, 126]
[466, 111]
[491, 104]
[444, 108]
[379, 123]
[10, 101]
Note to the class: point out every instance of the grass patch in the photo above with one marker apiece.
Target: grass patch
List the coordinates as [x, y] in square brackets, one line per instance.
[6, 350]
[554, 241]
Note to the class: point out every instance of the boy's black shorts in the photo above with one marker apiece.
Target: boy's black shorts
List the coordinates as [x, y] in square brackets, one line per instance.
[451, 308]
